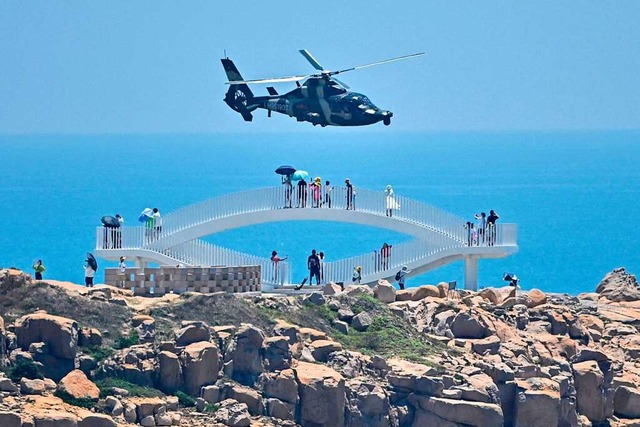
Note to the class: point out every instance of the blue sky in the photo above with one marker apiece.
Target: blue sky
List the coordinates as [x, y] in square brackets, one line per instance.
[153, 67]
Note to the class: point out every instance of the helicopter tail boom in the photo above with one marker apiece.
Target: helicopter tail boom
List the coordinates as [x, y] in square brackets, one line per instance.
[239, 97]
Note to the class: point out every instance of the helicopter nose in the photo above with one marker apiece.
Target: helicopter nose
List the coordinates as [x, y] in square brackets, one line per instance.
[386, 117]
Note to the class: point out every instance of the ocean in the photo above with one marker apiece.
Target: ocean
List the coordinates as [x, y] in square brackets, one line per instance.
[574, 195]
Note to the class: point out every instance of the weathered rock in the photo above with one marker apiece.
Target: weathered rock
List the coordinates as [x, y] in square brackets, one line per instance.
[322, 395]
[362, 321]
[618, 285]
[281, 410]
[10, 419]
[405, 294]
[537, 404]
[145, 326]
[89, 419]
[425, 291]
[460, 411]
[595, 400]
[466, 326]
[536, 298]
[285, 329]
[490, 345]
[244, 354]
[345, 314]
[210, 393]
[342, 327]
[77, 385]
[627, 402]
[233, 414]
[321, 349]
[89, 337]
[277, 353]
[331, 289]
[28, 386]
[50, 418]
[281, 385]
[113, 406]
[7, 385]
[314, 298]
[59, 333]
[169, 372]
[200, 365]
[248, 396]
[192, 333]
[384, 292]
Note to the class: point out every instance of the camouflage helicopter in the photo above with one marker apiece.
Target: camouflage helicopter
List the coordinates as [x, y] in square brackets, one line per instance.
[321, 100]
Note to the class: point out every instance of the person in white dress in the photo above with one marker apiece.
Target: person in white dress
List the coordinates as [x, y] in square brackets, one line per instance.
[391, 202]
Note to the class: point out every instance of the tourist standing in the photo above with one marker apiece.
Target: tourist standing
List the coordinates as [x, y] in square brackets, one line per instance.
[481, 226]
[401, 276]
[470, 233]
[385, 253]
[350, 194]
[89, 273]
[39, 269]
[357, 274]
[275, 264]
[122, 270]
[328, 188]
[117, 232]
[157, 223]
[288, 191]
[491, 227]
[390, 200]
[302, 194]
[313, 264]
[317, 192]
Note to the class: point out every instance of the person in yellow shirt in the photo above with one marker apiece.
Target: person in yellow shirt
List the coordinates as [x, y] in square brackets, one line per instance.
[39, 269]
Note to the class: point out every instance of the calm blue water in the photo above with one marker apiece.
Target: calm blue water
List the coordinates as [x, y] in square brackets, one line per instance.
[574, 196]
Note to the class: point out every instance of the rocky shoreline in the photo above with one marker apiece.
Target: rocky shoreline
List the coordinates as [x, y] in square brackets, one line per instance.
[359, 357]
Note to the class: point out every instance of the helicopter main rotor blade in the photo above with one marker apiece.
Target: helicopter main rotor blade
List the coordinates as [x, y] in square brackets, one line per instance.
[271, 80]
[386, 61]
[311, 59]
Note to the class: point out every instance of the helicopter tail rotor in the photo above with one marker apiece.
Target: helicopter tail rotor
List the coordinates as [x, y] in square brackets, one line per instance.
[239, 97]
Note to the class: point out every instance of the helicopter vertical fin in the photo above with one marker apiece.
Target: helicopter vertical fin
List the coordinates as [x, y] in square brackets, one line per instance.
[239, 96]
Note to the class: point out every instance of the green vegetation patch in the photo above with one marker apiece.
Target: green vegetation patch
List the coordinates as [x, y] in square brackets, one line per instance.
[107, 384]
[127, 341]
[24, 368]
[99, 353]
[185, 400]
[83, 402]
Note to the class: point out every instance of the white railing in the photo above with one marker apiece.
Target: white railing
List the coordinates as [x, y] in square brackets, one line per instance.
[264, 199]
[201, 253]
[373, 262]
[448, 231]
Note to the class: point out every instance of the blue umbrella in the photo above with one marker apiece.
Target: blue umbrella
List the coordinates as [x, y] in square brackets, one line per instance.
[145, 215]
[299, 175]
[285, 170]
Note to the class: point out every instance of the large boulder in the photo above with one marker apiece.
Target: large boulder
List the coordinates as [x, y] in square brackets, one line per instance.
[322, 395]
[277, 353]
[169, 372]
[10, 419]
[281, 385]
[243, 359]
[464, 325]
[77, 385]
[384, 292]
[595, 399]
[361, 321]
[536, 298]
[425, 291]
[200, 365]
[618, 285]
[627, 402]
[233, 414]
[321, 349]
[59, 333]
[194, 332]
[537, 403]
[460, 411]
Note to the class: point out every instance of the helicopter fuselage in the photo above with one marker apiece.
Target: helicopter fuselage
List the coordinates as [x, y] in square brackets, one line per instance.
[322, 101]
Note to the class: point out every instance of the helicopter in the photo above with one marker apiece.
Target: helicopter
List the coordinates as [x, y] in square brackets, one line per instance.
[321, 99]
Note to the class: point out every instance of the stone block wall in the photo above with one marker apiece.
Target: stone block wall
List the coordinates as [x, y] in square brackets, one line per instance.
[161, 280]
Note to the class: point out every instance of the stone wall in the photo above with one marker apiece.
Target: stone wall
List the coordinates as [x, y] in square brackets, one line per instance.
[161, 280]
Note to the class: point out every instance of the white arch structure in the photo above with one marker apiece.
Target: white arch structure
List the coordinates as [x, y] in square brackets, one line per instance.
[440, 237]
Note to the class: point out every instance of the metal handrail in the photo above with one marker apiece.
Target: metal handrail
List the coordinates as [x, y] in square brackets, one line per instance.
[448, 230]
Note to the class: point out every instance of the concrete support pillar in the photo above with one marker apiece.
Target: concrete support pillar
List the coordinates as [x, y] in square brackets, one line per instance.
[140, 262]
[471, 273]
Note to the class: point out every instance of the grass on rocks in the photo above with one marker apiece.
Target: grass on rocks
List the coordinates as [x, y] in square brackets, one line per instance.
[388, 335]
[17, 301]
[107, 384]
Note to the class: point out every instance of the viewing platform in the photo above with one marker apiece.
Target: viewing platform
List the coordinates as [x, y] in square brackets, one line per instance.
[440, 237]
